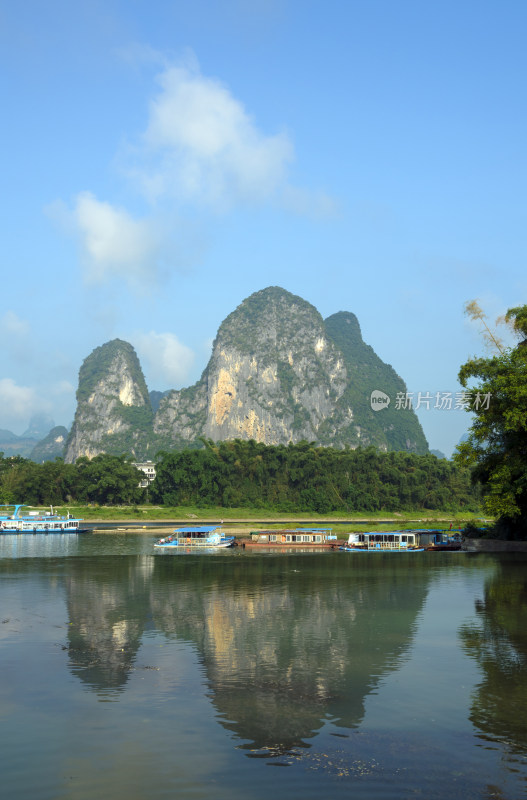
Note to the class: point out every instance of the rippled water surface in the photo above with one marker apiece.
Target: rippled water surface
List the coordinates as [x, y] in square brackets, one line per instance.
[131, 674]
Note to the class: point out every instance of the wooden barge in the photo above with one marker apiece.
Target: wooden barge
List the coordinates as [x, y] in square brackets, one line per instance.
[315, 538]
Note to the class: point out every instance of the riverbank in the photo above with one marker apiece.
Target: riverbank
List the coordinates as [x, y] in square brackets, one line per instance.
[191, 515]
[242, 533]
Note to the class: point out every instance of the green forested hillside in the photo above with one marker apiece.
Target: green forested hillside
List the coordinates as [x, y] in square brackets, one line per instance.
[304, 477]
[394, 428]
[247, 474]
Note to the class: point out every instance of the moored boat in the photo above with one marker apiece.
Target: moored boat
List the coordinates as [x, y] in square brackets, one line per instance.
[388, 542]
[297, 537]
[438, 539]
[195, 537]
[16, 521]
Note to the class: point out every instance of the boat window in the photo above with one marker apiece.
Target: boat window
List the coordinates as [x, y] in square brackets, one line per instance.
[404, 538]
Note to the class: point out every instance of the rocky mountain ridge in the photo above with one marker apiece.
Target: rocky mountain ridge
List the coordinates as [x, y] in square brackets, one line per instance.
[278, 373]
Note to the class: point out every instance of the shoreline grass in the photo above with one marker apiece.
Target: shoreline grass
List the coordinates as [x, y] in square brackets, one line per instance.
[347, 522]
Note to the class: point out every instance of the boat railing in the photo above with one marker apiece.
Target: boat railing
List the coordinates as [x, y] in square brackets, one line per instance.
[387, 545]
[387, 542]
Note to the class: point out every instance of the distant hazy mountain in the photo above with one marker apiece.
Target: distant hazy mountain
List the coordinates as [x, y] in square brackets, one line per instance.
[50, 446]
[278, 373]
[13, 445]
[39, 427]
[438, 453]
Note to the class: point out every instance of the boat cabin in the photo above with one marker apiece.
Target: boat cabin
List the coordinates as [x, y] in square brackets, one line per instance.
[304, 536]
[440, 539]
[392, 540]
[194, 534]
[195, 537]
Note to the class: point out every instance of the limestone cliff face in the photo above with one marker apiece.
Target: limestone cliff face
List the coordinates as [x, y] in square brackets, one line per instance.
[274, 376]
[278, 373]
[113, 407]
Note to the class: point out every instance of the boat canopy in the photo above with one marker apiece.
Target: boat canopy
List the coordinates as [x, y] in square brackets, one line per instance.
[312, 530]
[16, 509]
[194, 529]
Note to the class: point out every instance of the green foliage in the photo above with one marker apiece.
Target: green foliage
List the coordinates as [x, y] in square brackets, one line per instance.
[304, 477]
[244, 326]
[106, 479]
[140, 417]
[392, 428]
[496, 449]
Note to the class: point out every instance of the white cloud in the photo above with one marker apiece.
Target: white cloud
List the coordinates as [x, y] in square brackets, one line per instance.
[12, 325]
[166, 361]
[16, 340]
[200, 144]
[63, 388]
[18, 403]
[114, 244]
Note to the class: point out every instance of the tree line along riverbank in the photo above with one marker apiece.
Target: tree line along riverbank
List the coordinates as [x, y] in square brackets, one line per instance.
[300, 479]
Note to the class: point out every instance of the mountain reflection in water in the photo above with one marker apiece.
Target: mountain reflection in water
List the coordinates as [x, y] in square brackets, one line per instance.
[127, 674]
[286, 643]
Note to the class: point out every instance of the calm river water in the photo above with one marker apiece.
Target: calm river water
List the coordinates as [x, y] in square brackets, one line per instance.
[127, 674]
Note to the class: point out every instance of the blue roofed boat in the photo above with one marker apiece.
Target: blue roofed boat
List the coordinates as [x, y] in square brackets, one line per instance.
[16, 521]
[389, 542]
[204, 537]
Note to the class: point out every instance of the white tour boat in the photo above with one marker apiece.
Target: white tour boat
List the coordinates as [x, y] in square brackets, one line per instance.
[207, 536]
[15, 521]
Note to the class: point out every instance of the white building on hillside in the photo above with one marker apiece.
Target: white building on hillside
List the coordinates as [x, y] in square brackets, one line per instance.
[149, 468]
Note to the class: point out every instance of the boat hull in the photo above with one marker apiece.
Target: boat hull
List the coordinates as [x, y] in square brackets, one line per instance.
[292, 545]
[445, 547]
[33, 531]
[383, 549]
[184, 545]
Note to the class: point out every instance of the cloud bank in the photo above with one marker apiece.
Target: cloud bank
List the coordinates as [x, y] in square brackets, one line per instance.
[200, 153]
[114, 244]
[166, 361]
[201, 145]
[20, 401]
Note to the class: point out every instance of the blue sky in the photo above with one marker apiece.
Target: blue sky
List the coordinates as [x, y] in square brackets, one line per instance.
[162, 161]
